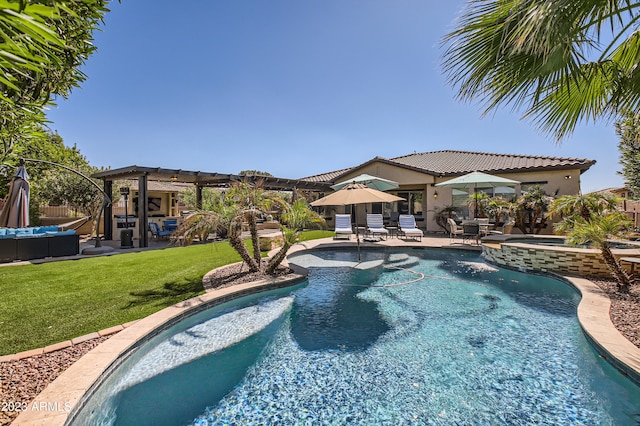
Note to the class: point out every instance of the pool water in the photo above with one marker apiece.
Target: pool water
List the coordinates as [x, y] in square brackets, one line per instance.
[425, 337]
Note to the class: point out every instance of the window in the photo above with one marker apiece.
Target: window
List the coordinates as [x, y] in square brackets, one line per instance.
[412, 203]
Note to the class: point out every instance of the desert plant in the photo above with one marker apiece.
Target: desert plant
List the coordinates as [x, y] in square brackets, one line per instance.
[295, 218]
[531, 211]
[598, 231]
[499, 209]
[582, 206]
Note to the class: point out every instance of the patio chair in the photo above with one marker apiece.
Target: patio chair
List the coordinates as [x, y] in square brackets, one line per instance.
[343, 226]
[158, 233]
[375, 225]
[471, 231]
[407, 227]
[506, 228]
[453, 229]
[170, 225]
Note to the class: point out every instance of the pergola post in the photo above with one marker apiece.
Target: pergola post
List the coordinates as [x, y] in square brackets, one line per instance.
[199, 197]
[143, 207]
[108, 213]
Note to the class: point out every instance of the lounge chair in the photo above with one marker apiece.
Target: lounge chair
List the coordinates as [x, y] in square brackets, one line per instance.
[407, 227]
[343, 225]
[375, 225]
[454, 229]
[157, 233]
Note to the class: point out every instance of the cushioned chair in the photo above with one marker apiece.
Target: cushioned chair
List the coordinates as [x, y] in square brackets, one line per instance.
[157, 233]
[471, 231]
[454, 229]
[343, 226]
[407, 227]
[375, 225]
[505, 229]
[169, 225]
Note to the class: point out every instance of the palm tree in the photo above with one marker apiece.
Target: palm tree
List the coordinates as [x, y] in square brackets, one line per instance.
[295, 217]
[562, 62]
[253, 201]
[532, 208]
[582, 206]
[598, 231]
[498, 208]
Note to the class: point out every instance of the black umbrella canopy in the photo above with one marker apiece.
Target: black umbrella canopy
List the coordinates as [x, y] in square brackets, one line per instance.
[15, 213]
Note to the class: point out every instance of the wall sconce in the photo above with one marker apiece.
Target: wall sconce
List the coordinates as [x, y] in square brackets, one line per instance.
[174, 178]
[567, 177]
[435, 195]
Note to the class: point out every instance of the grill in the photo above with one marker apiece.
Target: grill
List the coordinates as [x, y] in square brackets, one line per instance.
[128, 222]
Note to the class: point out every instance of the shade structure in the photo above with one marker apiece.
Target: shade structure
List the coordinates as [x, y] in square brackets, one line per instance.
[374, 182]
[356, 193]
[353, 194]
[15, 213]
[475, 180]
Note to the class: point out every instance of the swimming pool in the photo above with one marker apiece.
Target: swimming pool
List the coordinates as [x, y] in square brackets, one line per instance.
[425, 337]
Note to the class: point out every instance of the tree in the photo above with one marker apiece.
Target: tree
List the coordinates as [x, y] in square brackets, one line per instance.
[61, 186]
[242, 203]
[498, 208]
[251, 202]
[254, 173]
[582, 206]
[295, 218]
[211, 198]
[597, 232]
[629, 146]
[594, 219]
[562, 62]
[42, 48]
[531, 211]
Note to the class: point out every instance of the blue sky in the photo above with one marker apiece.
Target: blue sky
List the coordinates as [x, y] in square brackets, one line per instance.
[290, 87]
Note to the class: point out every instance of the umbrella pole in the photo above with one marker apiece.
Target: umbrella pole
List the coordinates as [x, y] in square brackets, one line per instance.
[355, 207]
[475, 194]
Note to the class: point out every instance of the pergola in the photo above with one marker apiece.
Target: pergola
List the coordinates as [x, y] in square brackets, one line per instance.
[198, 178]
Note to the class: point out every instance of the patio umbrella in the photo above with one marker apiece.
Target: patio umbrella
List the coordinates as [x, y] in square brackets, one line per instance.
[475, 179]
[371, 181]
[353, 194]
[15, 213]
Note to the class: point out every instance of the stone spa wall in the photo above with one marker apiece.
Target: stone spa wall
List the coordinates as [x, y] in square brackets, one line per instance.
[562, 260]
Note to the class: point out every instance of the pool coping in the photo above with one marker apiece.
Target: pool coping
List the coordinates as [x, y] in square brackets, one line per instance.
[63, 397]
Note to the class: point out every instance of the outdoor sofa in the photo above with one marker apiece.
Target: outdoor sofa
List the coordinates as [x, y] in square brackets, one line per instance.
[37, 243]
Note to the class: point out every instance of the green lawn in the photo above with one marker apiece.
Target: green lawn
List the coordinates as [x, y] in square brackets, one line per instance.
[56, 301]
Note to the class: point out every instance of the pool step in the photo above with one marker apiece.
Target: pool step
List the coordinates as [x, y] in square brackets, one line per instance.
[402, 260]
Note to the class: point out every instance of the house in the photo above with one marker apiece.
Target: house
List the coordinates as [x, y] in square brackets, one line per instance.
[418, 173]
[626, 203]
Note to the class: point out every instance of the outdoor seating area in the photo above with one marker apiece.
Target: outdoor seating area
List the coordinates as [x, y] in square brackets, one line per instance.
[37, 243]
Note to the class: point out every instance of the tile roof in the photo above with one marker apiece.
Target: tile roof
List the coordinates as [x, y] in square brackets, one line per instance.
[455, 163]
[450, 162]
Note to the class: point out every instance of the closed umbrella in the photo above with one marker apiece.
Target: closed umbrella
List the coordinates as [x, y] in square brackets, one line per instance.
[475, 179]
[374, 182]
[353, 194]
[15, 213]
